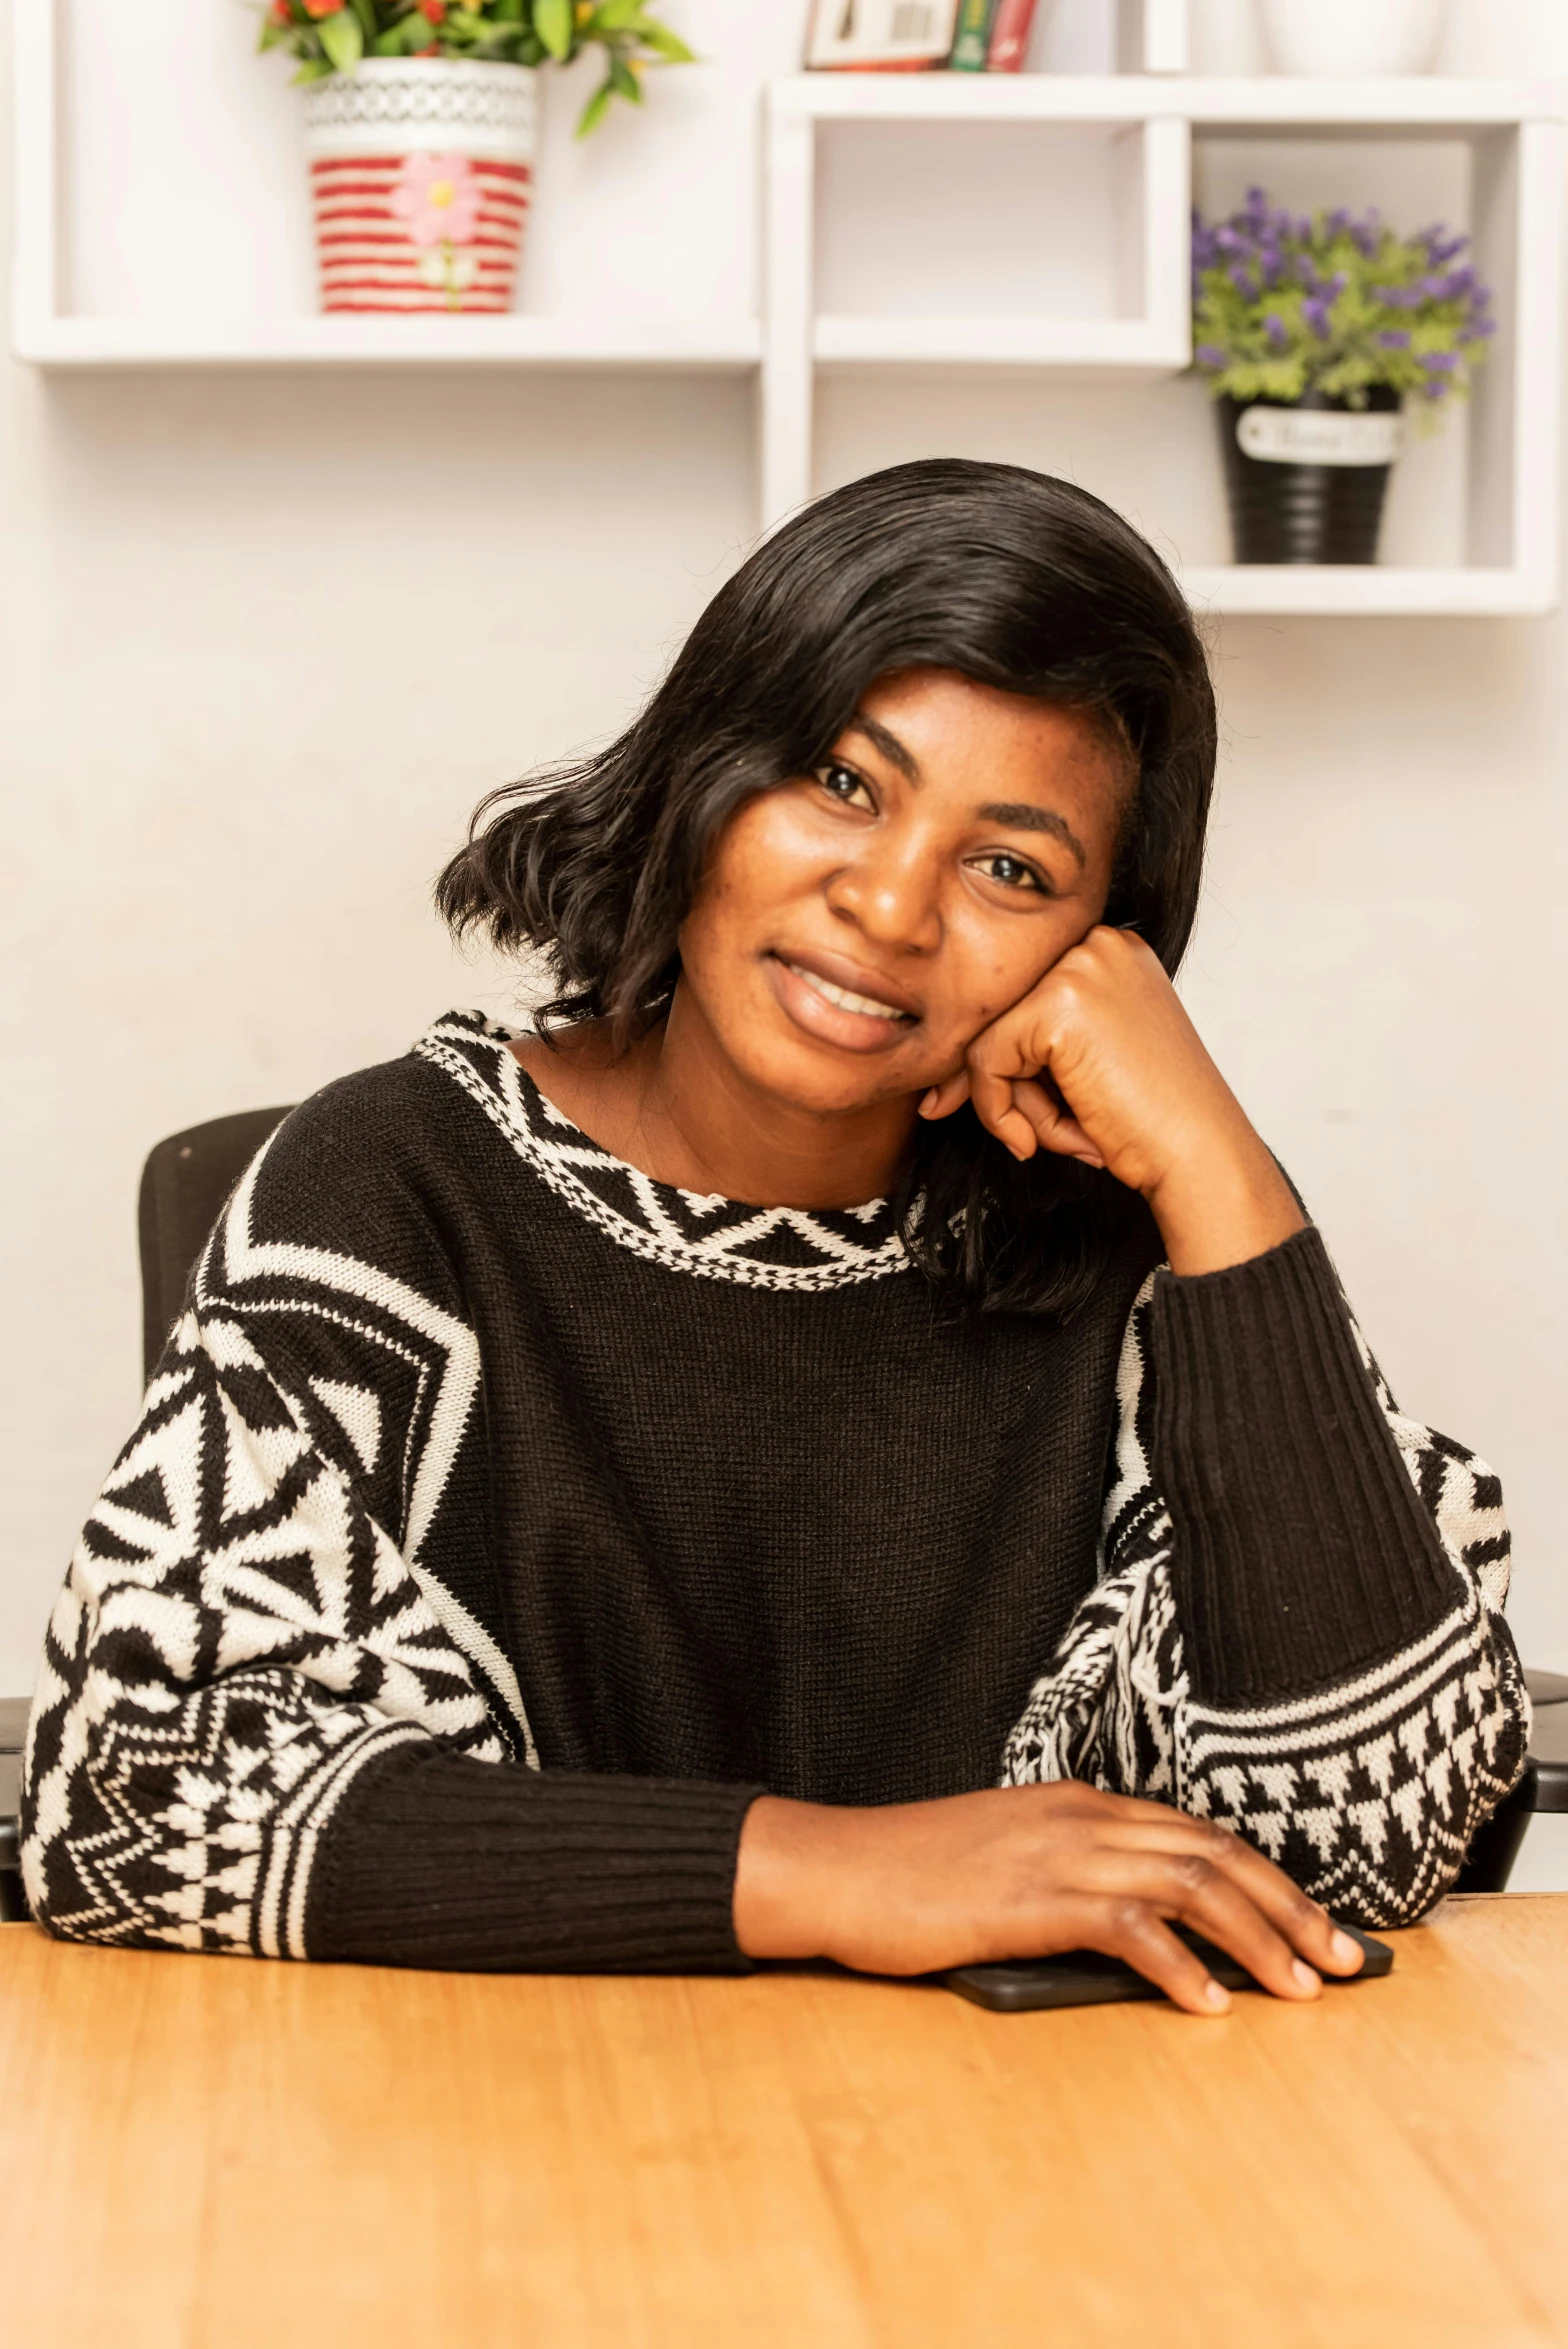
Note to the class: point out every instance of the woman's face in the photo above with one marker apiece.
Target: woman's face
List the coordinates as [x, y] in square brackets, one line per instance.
[855, 930]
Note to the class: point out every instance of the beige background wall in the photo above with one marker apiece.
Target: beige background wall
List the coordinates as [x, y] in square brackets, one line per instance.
[265, 637]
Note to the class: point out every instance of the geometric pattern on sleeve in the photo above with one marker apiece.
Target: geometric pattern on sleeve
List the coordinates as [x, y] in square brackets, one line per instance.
[239, 1632]
[1367, 1793]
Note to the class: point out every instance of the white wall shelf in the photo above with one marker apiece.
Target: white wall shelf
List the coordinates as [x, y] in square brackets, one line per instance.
[715, 345]
[1360, 591]
[1102, 163]
[1512, 135]
[87, 292]
[1419, 101]
[1149, 149]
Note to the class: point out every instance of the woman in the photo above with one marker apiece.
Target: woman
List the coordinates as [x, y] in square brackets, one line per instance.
[614, 1489]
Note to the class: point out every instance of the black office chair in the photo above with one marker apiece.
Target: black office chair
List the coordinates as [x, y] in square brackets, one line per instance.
[185, 1183]
[1544, 1787]
[13, 1728]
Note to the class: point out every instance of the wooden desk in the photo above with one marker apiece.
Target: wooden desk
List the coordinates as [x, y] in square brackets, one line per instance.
[204, 2151]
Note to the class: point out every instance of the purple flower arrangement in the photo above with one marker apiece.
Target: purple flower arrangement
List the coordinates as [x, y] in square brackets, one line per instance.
[1285, 303]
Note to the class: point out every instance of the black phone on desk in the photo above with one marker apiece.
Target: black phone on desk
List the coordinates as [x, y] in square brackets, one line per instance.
[1083, 1977]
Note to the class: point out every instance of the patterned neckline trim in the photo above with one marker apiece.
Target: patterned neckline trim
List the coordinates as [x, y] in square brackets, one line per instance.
[715, 1238]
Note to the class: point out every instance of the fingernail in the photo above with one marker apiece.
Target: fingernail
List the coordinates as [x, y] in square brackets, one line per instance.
[1305, 1975]
[1347, 1951]
[929, 1103]
[1217, 1996]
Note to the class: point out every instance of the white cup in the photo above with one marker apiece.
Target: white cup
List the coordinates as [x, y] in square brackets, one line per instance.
[1351, 37]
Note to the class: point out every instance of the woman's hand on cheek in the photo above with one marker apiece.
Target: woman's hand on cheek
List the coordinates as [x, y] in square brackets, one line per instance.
[1100, 1062]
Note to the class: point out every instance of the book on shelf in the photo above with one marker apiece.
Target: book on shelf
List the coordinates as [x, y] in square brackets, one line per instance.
[880, 36]
[971, 48]
[1010, 28]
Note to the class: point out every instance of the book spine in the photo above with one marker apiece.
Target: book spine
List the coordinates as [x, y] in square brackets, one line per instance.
[972, 42]
[1009, 36]
[880, 36]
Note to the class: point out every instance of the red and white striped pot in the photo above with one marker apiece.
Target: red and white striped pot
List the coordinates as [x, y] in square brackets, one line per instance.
[420, 173]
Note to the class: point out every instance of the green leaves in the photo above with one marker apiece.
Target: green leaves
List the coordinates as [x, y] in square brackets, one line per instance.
[664, 43]
[630, 20]
[595, 110]
[517, 32]
[553, 24]
[343, 39]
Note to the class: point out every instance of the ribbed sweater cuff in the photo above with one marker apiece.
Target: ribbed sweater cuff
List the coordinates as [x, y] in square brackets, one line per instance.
[1302, 1552]
[438, 1860]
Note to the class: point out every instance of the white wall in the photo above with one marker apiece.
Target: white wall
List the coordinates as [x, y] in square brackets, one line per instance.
[265, 637]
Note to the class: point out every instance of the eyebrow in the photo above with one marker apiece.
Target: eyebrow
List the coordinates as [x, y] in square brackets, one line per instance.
[888, 744]
[1022, 816]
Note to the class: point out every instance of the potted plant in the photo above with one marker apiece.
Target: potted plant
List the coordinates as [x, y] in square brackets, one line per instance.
[419, 128]
[1318, 337]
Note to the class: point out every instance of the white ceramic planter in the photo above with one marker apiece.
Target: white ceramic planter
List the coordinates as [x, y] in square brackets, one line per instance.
[420, 173]
[1352, 37]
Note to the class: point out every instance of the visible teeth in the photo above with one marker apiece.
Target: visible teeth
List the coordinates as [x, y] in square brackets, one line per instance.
[867, 1004]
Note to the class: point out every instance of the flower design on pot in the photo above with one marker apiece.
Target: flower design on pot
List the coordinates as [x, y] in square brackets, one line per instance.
[438, 198]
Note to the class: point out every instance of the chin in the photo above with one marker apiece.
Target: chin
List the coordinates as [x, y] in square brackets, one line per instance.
[813, 1076]
[802, 1079]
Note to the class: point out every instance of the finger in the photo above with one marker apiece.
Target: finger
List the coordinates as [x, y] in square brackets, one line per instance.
[1054, 1129]
[943, 1099]
[1295, 1916]
[1205, 1898]
[1121, 1926]
[994, 1106]
[1134, 1932]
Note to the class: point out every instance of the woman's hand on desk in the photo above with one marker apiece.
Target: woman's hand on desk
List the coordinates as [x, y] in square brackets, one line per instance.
[1100, 1062]
[1022, 1872]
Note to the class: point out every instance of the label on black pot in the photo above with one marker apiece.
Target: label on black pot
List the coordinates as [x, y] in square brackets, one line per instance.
[1320, 436]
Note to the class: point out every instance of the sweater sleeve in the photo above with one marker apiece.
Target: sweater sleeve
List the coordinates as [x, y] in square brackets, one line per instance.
[269, 1722]
[1298, 1626]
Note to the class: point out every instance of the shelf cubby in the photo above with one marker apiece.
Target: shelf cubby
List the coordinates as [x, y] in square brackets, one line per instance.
[1493, 155]
[162, 215]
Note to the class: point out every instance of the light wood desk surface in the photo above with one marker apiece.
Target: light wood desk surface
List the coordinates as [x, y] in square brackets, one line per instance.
[205, 2151]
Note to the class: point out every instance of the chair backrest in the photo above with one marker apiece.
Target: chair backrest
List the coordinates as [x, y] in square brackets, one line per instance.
[184, 1185]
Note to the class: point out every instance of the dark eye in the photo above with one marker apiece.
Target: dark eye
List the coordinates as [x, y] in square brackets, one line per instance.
[844, 784]
[1010, 871]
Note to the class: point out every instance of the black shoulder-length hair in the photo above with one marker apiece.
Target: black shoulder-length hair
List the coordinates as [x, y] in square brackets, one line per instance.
[1007, 576]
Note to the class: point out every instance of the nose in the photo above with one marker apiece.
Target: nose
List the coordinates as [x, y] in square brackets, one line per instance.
[889, 893]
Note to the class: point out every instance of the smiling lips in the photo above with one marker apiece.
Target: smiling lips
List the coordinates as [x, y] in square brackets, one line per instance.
[867, 1005]
[831, 1011]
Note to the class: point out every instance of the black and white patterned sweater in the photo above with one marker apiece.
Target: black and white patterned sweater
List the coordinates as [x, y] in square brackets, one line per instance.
[501, 1521]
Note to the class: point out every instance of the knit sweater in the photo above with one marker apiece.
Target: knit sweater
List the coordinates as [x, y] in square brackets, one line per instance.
[501, 1521]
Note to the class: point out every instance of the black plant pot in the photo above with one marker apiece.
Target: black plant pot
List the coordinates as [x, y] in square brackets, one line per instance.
[1290, 512]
